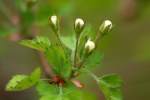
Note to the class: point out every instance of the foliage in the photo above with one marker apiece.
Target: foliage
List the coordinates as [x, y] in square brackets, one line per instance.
[110, 85]
[22, 82]
[68, 56]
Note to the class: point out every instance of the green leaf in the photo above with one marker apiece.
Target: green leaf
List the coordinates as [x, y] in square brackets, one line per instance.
[69, 42]
[39, 43]
[35, 75]
[44, 88]
[69, 92]
[49, 91]
[81, 95]
[111, 87]
[60, 62]
[93, 60]
[54, 97]
[86, 34]
[22, 82]
[112, 80]
[17, 83]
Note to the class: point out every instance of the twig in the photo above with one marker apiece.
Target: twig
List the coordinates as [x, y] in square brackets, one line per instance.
[75, 52]
[46, 67]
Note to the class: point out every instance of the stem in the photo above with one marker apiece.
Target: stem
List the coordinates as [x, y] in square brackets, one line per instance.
[45, 66]
[45, 79]
[98, 36]
[92, 75]
[59, 41]
[60, 90]
[75, 52]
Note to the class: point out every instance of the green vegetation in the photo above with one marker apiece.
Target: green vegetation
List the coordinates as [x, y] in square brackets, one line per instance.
[67, 58]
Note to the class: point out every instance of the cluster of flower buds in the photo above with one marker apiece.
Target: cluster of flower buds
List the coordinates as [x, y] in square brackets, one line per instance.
[79, 25]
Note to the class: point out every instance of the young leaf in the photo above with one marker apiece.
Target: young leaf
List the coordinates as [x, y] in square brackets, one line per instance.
[35, 75]
[69, 42]
[54, 97]
[39, 43]
[17, 83]
[51, 92]
[44, 88]
[61, 64]
[22, 82]
[81, 95]
[111, 87]
[93, 60]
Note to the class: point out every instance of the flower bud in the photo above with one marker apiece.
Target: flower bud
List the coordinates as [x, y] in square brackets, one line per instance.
[106, 27]
[54, 23]
[79, 26]
[89, 46]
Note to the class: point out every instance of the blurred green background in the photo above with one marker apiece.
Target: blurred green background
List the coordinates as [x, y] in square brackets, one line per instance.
[126, 49]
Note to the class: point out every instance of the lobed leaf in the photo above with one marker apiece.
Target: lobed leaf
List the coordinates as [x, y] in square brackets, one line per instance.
[61, 63]
[111, 87]
[93, 60]
[49, 92]
[69, 42]
[39, 43]
[44, 88]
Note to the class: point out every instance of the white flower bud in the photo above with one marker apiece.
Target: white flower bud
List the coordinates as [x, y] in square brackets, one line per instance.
[54, 23]
[89, 45]
[106, 26]
[79, 25]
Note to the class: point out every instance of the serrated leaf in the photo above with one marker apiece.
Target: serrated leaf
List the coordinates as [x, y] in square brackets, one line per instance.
[39, 43]
[111, 87]
[22, 82]
[49, 92]
[69, 42]
[15, 82]
[93, 60]
[35, 75]
[61, 63]
[111, 80]
[44, 88]
[81, 95]
[54, 97]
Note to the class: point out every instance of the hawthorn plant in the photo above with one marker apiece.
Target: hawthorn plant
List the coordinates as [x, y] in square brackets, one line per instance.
[64, 60]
